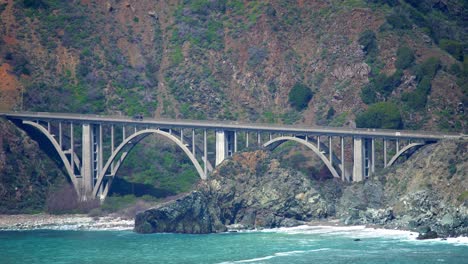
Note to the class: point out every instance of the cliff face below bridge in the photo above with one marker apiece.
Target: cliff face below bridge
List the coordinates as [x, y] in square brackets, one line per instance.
[252, 190]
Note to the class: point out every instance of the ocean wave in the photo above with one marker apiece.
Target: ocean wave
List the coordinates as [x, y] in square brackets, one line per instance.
[365, 232]
[275, 255]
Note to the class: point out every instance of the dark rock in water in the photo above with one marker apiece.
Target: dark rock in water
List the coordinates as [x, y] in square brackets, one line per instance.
[191, 214]
[427, 233]
[357, 239]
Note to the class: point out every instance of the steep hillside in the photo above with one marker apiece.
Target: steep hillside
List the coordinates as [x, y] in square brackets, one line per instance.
[337, 63]
[239, 60]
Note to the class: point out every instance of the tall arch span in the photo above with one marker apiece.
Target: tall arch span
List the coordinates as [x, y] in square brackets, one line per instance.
[125, 147]
[276, 142]
[69, 165]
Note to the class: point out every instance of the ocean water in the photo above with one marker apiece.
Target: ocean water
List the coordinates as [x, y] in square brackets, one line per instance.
[285, 245]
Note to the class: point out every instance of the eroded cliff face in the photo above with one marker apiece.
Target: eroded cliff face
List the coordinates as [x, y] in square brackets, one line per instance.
[251, 190]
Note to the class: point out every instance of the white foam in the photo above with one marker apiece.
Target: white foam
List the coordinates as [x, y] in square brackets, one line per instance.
[365, 232]
[351, 231]
[279, 254]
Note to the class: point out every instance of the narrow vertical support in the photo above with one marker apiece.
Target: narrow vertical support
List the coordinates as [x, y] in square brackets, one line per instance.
[72, 151]
[259, 139]
[342, 159]
[358, 161]
[182, 136]
[87, 162]
[307, 138]
[205, 153]
[170, 131]
[270, 137]
[135, 129]
[193, 142]
[100, 159]
[330, 151]
[373, 156]
[112, 139]
[385, 152]
[60, 135]
[318, 143]
[221, 149]
[397, 145]
[123, 133]
[48, 127]
[112, 148]
[235, 141]
[247, 139]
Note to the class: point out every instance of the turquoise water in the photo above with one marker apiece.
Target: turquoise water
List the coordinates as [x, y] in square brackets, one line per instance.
[296, 245]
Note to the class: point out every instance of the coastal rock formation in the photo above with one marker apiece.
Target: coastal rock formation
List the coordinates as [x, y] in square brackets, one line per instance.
[426, 193]
[248, 191]
[251, 190]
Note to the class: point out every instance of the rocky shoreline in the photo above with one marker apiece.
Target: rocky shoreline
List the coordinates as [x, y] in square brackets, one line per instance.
[427, 194]
[63, 222]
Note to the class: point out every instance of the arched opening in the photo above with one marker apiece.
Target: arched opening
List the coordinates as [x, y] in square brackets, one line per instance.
[322, 153]
[121, 153]
[408, 150]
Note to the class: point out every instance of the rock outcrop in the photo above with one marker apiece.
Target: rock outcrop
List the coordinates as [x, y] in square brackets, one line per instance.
[246, 192]
[426, 194]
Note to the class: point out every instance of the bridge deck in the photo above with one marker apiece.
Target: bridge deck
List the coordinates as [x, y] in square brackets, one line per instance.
[231, 125]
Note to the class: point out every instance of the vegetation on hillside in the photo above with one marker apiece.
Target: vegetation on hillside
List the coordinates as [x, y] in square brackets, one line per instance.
[336, 63]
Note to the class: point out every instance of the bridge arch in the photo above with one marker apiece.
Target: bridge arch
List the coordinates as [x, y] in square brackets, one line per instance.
[69, 165]
[126, 146]
[403, 150]
[276, 142]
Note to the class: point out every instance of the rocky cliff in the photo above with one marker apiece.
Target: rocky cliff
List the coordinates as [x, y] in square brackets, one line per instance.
[27, 176]
[252, 190]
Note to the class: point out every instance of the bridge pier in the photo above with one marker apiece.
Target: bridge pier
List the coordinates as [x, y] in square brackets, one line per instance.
[225, 145]
[91, 159]
[363, 158]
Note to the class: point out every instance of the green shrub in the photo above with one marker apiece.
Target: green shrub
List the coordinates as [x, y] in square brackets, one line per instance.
[382, 2]
[455, 69]
[299, 96]
[34, 4]
[368, 40]
[368, 95]
[428, 68]
[405, 58]
[398, 20]
[380, 115]
[417, 99]
[453, 47]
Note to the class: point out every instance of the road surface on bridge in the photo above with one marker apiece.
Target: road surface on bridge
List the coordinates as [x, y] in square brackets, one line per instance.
[231, 125]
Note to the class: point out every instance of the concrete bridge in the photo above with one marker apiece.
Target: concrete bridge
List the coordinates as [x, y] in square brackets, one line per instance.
[93, 147]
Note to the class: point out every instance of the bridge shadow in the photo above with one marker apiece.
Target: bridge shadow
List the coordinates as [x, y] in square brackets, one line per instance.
[123, 187]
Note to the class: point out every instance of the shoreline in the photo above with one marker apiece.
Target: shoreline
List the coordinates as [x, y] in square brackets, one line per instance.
[83, 222]
[63, 222]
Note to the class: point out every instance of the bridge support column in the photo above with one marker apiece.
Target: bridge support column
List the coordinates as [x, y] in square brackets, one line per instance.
[87, 162]
[91, 159]
[225, 144]
[221, 146]
[358, 159]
